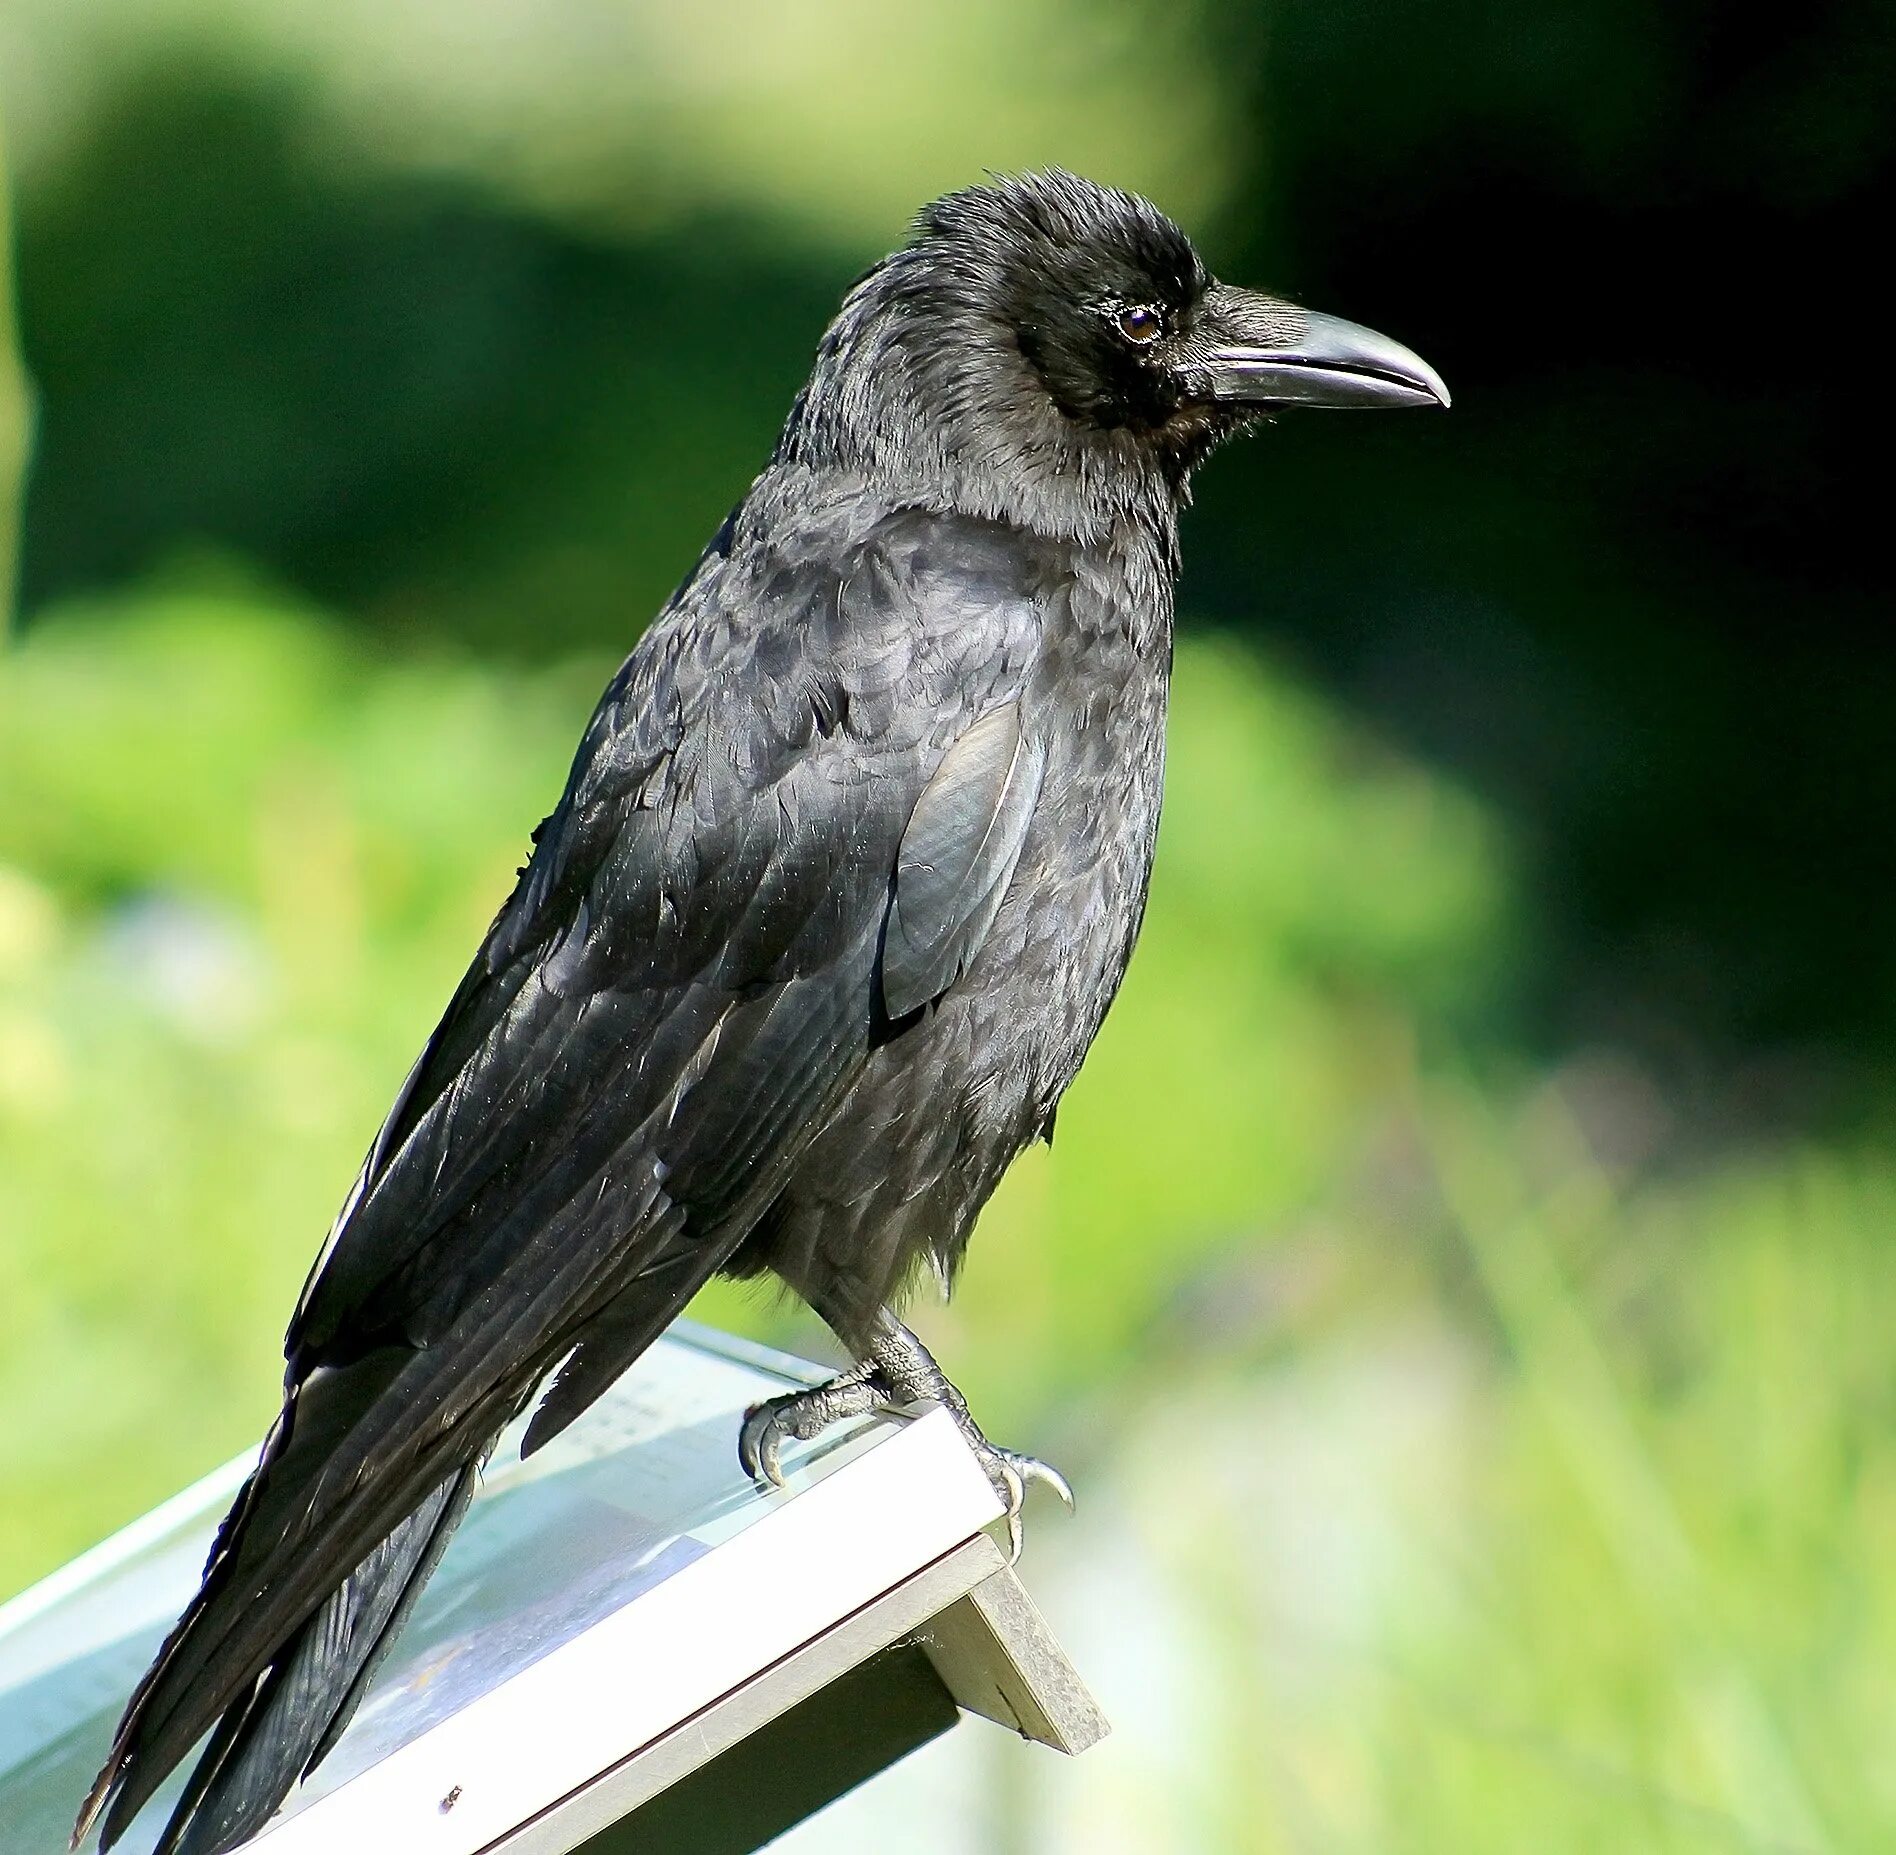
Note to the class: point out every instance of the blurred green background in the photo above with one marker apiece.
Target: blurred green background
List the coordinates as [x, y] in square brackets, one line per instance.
[1462, 1287]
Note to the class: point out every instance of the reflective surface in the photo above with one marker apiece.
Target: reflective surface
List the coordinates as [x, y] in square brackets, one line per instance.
[644, 1484]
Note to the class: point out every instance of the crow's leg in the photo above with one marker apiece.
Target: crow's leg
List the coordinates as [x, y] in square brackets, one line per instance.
[899, 1370]
[909, 1369]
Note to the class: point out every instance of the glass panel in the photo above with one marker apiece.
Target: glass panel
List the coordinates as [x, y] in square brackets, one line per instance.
[644, 1483]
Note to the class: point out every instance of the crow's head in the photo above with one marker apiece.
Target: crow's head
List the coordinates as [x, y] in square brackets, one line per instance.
[1045, 346]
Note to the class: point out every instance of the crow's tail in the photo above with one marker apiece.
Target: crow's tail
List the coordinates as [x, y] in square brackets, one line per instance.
[277, 1732]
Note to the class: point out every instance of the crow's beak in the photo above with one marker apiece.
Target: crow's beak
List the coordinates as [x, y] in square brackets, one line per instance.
[1263, 352]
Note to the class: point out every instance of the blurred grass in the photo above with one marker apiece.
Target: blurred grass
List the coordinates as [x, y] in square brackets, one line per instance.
[1533, 1508]
[1510, 1484]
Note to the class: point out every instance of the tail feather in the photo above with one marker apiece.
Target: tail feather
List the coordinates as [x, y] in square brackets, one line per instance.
[289, 1720]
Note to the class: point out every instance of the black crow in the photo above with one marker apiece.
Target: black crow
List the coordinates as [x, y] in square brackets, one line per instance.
[848, 868]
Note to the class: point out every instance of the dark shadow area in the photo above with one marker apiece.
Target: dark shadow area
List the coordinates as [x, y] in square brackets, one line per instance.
[1631, 589]
[402, 396]
[1635, 586]
[787, 1770]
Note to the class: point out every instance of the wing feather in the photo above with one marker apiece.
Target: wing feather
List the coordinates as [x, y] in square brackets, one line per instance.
[958, 854]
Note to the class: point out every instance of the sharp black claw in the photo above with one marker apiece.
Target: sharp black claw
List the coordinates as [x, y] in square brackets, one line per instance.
[759, 1446]
[1032, 1469]
[1012, 1473]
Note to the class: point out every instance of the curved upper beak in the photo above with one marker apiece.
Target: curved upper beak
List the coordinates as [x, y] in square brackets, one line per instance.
[1263, 352]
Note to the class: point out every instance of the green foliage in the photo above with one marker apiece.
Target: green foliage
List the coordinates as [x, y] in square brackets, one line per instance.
[239, 869]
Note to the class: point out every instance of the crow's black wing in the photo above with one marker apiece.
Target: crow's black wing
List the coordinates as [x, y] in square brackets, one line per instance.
[680, 988]
[958, 854]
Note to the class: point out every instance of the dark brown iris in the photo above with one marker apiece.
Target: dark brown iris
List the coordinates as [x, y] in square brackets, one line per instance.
[1141, 324]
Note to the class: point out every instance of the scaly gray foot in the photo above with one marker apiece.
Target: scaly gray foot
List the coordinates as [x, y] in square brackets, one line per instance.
[899, 1371]
[801, 1415]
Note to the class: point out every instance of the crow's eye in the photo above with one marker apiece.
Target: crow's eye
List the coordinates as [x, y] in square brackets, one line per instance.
[1140, 324]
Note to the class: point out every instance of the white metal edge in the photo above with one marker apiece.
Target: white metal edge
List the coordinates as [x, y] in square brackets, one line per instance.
[790, 1575]
[694, 1742]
